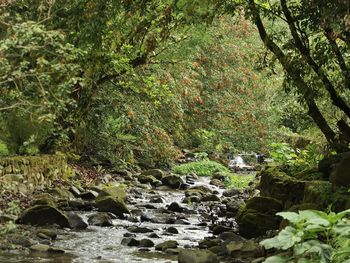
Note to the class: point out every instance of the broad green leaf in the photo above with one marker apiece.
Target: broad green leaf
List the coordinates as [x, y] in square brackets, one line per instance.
[277, 259]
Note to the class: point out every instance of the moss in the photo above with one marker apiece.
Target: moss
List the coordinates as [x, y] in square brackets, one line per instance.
[115, 191]
[39, 171]
[279, 185]
[318, 192]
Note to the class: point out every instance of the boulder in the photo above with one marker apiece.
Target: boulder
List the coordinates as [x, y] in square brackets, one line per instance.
[139, 229]
[46, 234]
[130, 241]
[210, 198]
[264, 204]
[341, 174]
[158, 174]
[197, 256]
[115, 191]
[89, 195]
[234, 205]
[208, 243]
[156, 199]
[167, 244]
[318, 192]
[244, 249]
[100, 219]
[146, 243]
[173, 181]
[75, 191]
[62, 193]
[328, 164]
[111, 204]
[42, 215]
[217, 183]
[172, 230]
[233, 192]
[277, 184]
[220, 229]
[76, 221]
[230, 236]
[44, 199]
[219, 176]
[253, 223]
[175, 207]
[149, 179]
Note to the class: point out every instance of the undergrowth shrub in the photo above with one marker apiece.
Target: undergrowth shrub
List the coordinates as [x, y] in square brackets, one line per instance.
[201, 168]
[239, 181]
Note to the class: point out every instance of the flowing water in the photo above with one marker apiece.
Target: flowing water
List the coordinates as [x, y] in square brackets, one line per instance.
[103, 244]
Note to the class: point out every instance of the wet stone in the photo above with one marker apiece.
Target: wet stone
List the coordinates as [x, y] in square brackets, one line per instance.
[153, 235]
[76, 221]
[100, 219]
[75, 191]
[182, 222]
[89, 195]
[127, 234]
[130, 241]
[172, 230]
[167, 244]
[137, 229]
[175, 207]
[220, 229]
[156, 199]
[211, 198]
[146, 243]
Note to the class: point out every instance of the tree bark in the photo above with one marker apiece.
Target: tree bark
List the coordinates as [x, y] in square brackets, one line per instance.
[302, 87]
[305, 52]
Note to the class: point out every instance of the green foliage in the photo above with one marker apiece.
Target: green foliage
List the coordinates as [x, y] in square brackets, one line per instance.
[283, 153]
[306, 38]
[3, 149]
[38, 75]
[200, 168]
[313, 236]
[8, 227]
[239, 181]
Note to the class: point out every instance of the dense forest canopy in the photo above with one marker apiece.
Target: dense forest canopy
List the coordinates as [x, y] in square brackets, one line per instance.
[136, 81]
[164, 130]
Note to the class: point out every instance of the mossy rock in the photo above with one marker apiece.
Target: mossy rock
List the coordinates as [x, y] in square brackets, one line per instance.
[115, 191]
[158, 174]
[277, 184]
[148, 179]
[45, 199]
[341, 174]
[173, 181]
[197, 256]
[62, 193]
[112, 205]
[42, 215]
[264, 204]
[318, 192]
[253, 223]
[327, 165]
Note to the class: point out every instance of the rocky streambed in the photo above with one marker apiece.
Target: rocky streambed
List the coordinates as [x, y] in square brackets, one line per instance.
[150, 217]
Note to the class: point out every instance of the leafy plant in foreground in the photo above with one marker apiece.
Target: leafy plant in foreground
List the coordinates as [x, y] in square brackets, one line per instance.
[312, 236]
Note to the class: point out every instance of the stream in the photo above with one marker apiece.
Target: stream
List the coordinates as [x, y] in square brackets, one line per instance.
[103, 244]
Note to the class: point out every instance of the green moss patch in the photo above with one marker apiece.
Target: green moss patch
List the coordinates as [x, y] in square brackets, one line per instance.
[201, 168]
